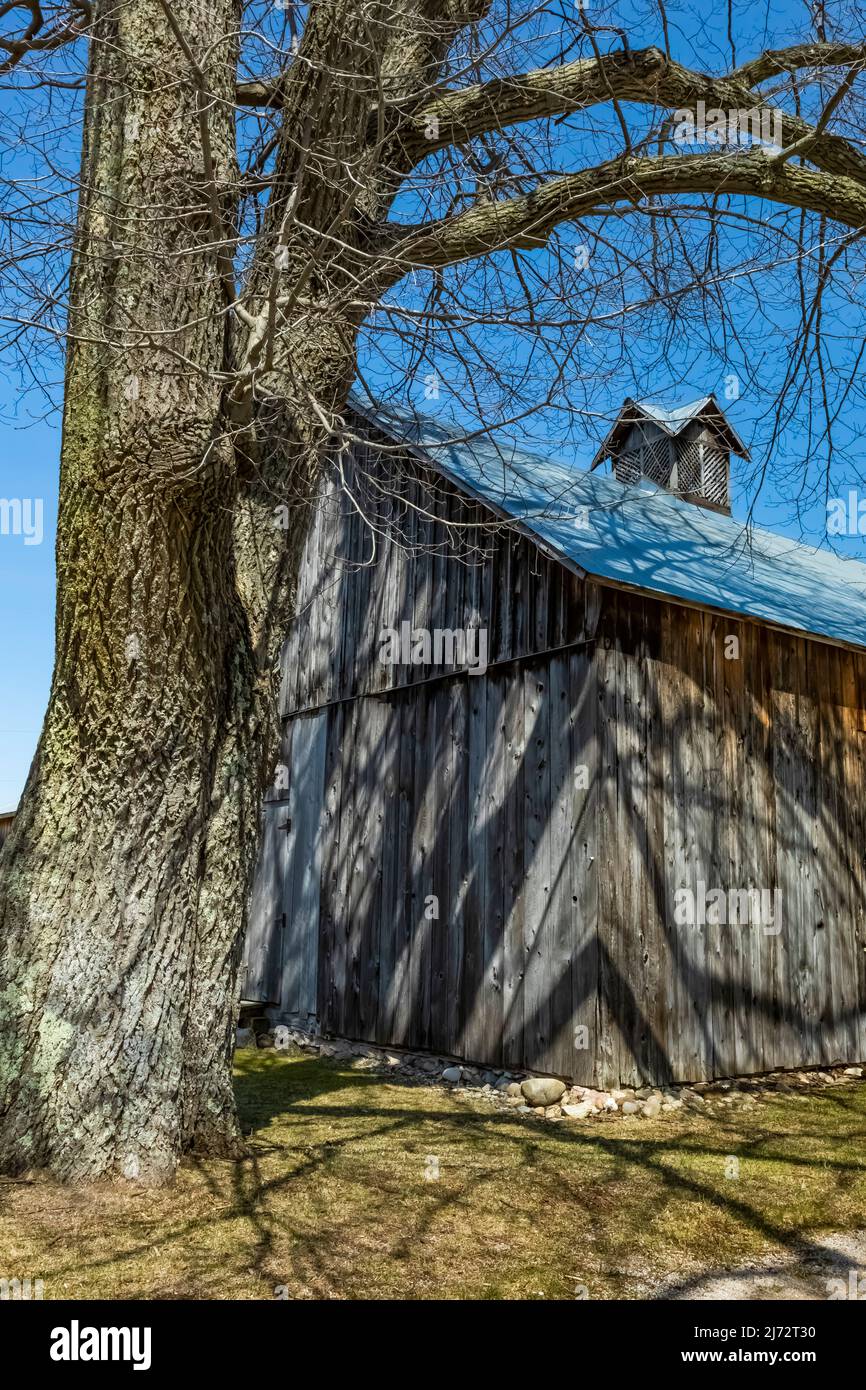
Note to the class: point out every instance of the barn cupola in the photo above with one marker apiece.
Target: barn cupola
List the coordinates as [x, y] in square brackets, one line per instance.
[685, 449]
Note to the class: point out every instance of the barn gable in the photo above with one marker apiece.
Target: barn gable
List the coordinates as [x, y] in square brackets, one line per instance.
[487, 864]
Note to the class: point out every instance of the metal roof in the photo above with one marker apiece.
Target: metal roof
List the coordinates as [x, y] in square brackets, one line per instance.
[672, 419]
[674, 416]
[642, 536]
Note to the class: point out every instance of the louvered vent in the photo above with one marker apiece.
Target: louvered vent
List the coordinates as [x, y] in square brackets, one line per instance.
[686, 449]
[715, 476]
[689, 468]
[653, 460]
[628, 466]
[657, 463]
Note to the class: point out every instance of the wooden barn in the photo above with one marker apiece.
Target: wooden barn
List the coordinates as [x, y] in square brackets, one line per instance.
[573, 767]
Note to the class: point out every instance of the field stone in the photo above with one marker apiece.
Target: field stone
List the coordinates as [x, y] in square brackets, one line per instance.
[630, 1107]
[601, 1100]
[514, 1089]
[651, 1108]
[693, 1098]
[452, 1074]
[543, 1090]
[577, 1112]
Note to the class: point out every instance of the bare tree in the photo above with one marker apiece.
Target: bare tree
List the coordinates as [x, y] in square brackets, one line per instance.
[269, 200]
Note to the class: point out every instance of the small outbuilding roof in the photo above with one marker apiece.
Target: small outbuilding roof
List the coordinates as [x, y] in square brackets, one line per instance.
[672, 419]
[643, 537]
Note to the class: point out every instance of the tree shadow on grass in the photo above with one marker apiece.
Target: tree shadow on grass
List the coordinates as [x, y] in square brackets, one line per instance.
[335, 1202]
[266, 1087]
[550, 1154]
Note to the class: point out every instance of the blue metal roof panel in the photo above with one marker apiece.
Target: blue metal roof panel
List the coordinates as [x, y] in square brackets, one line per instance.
[643, 536]
[674, 417]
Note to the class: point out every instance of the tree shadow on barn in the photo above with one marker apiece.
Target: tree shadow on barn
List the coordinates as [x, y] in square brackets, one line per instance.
[480, 900]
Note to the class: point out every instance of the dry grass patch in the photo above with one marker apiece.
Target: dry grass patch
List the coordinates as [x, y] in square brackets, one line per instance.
[334, 1200]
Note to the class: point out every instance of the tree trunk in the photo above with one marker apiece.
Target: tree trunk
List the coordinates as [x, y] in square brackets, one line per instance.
[146, 762]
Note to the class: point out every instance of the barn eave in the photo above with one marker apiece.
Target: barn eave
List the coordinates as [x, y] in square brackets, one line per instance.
[647, 541]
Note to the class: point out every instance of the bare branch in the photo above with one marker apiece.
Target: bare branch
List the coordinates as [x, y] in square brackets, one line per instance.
[528, 220]
[645, 76]
[260, 93]
[807, 142]
[32, 39]
[801, 55]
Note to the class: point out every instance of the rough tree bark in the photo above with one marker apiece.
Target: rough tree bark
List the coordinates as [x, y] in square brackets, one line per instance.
[101, 879]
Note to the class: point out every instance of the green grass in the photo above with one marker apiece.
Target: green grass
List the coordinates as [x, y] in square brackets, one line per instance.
[333, 1201]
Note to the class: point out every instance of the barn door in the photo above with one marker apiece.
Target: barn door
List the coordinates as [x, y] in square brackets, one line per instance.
[282, 950]
[261, 984]
[303, 865]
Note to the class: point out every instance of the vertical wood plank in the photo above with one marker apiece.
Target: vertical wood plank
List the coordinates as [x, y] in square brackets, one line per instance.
[537, 866]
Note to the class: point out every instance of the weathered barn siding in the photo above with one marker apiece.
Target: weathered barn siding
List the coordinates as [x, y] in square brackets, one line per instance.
[739, 773]
[554, 885]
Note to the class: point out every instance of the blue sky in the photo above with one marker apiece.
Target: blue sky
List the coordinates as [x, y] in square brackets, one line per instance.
[694, 365]
[28, 469]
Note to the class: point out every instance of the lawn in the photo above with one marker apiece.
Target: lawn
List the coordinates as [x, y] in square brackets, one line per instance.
[359, 1186]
